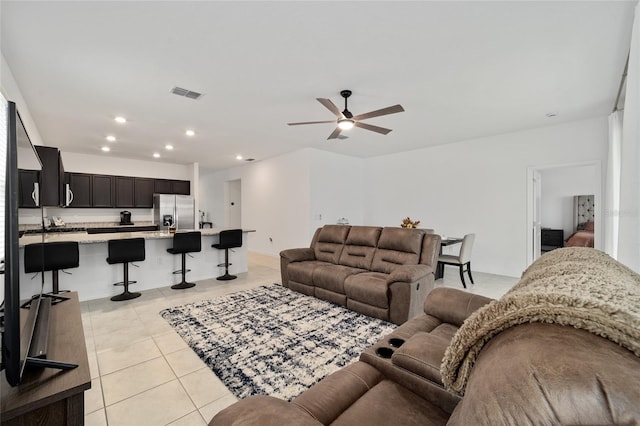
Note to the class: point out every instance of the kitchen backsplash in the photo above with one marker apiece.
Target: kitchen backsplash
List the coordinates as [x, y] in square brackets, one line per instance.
[94, 217]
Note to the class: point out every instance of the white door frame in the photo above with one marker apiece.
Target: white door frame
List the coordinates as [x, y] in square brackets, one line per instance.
[531, 204]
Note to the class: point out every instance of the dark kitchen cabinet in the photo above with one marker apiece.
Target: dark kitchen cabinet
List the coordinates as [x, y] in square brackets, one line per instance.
[143, 192]
[162, 186]
[124, 191]
[181, 187]
[80, 187]
[52, 176]
[27, 180]
[102, 191]
[172, 186]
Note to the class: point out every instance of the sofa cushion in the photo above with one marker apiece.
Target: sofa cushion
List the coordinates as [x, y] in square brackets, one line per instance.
[388, 403]
[422, 355]
[360, 246]
[397, 246]
[368, 287]
[302, 272]
[327, 399]
[414, 325]
[331, 239]
[453, 305]
[332, 277]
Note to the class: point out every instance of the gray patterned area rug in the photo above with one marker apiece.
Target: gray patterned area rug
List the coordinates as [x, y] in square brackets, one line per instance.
[273, 341]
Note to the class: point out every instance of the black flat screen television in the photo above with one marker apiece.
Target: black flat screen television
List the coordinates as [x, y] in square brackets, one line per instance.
[19, 152]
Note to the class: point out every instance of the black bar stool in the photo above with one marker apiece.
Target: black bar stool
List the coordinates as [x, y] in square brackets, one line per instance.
[56, 256]
[230, 238]
[125, 251]
[183, 243]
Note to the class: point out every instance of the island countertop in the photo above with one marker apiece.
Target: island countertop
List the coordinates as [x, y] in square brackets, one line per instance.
[86, 238]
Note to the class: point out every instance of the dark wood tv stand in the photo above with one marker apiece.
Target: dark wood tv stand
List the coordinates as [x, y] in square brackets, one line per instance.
[49, 396]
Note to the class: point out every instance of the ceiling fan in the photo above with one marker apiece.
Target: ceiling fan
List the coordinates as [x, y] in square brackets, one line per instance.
[346, 120]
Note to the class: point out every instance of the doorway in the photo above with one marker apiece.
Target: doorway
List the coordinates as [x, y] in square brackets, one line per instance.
[233, 204]
[551, 194]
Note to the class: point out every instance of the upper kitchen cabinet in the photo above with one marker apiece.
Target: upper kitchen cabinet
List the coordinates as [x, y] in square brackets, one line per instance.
[125, 191]
[28, 188]
[102, 191]
[169, 186]
[181, 187]
[79, 189]
[143, 192]
[52, 177]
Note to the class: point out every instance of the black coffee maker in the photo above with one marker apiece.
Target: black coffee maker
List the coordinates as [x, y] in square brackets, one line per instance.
[125, 217]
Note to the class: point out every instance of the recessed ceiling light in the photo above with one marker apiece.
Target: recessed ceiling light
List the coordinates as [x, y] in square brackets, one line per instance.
[238, 157]
[190, 132]
[156, 155]
[106, 149]
[168, 147]
[111, 138]
[120, 120]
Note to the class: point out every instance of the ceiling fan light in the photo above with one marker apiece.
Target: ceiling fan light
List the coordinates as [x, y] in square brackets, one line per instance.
[346, 124]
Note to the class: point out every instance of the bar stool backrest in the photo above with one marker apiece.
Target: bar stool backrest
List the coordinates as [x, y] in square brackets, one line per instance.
[126, 250]
[53, 256]
[187, 242]
[230, 238]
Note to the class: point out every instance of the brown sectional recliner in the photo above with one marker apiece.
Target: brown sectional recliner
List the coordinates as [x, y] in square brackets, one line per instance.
[384, 273]
[530, 373]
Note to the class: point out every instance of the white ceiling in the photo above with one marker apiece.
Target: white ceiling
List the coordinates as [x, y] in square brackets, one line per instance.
[461, 70]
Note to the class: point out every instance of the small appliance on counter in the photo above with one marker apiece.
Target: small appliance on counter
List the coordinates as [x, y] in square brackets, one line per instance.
[125, 218]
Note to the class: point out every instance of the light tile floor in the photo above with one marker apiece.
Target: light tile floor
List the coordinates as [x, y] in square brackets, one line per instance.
[143, 373]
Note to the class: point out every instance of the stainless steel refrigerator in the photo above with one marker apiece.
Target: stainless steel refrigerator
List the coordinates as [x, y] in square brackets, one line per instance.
[174, 210]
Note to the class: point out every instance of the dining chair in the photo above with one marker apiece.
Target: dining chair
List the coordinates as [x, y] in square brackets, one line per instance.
[462, 260]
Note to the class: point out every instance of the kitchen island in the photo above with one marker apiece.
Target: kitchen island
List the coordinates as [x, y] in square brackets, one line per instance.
[94, 278]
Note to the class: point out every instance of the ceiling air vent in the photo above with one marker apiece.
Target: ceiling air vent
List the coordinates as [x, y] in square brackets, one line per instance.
[186, 93]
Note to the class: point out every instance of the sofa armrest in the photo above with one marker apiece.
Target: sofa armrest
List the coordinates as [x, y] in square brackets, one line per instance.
[408, 287]
[422, 354]
[453, 306]
[293, 255]
[298, 254]
[409, 273]
[265, 411]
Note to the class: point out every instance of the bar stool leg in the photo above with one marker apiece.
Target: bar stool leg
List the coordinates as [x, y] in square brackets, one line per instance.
[183, 284]
[126, 295]
[226, 276]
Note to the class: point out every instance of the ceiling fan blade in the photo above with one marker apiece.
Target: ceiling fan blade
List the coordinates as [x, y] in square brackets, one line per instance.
[379, 112]
[335, 133]
[330, 106]
[372, 128]
[311, 122]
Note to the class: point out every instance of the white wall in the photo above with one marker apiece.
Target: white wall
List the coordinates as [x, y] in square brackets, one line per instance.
[559, 186]
[11, 92]
[287, 197]
[477, 186]
[336, 189]
[106, 164]
[275, 200]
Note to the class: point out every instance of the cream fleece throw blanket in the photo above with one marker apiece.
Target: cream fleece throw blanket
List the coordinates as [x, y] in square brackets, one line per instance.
[575, 286]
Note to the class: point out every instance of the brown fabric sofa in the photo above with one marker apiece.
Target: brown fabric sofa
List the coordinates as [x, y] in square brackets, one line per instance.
[384, 273]
[532, 373]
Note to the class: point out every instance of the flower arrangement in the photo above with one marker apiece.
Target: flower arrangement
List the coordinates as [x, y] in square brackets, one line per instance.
[408, 223]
